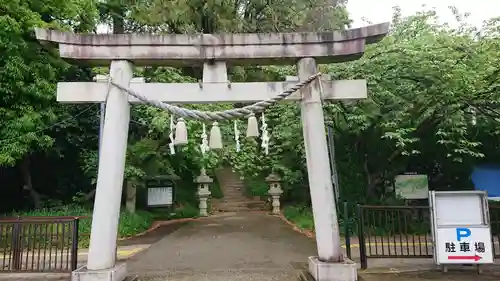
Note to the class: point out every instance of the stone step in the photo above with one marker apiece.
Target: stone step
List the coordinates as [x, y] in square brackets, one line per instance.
[229, 176]
[229, 187]
[232, 209]
[233, 200]
[234, 187]
[239, 204]
[239, 209]
[226, 175]
[236, 200]
[233, 197]
[233, 192]
[231, 184]
[249, 204]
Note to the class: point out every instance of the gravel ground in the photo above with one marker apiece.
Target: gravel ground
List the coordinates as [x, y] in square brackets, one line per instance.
[233, 246]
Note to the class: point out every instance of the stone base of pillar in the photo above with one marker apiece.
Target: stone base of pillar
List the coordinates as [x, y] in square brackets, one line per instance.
[117, 273]
[327, 271]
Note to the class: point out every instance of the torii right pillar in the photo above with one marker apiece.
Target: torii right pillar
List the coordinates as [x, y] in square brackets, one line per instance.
[329, 265]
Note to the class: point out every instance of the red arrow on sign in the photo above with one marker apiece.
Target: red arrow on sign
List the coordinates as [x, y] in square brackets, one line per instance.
[474, 258]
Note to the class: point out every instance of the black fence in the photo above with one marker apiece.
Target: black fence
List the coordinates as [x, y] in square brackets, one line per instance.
[495, 229]
[394, 232]
[399, 232]
[38, 244]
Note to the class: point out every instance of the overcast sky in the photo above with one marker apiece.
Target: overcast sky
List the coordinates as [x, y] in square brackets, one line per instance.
[381, 10]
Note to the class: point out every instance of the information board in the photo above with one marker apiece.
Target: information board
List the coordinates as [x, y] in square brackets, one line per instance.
[160, 196]
[461, 227]
[160, 191]
[411, 186]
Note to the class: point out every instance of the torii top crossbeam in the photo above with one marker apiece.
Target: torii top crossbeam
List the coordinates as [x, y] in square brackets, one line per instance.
[236, 49]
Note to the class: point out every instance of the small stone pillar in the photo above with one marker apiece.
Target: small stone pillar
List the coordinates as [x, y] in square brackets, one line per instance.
[275, 191]
[203, 193]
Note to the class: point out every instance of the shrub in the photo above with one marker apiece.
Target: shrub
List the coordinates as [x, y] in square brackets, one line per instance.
[130, 223]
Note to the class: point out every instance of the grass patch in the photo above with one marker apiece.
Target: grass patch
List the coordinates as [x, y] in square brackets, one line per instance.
[216, 190]
[187, 210]
[130, 223]
[300, 216]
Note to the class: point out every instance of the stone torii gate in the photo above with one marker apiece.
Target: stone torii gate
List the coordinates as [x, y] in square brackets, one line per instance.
[122, 51]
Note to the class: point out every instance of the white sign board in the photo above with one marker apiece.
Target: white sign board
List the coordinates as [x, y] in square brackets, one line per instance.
[461, 227]
[464, 245]
[160, 196]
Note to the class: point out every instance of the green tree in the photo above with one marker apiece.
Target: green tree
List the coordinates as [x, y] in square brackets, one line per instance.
[215, 16]
[28, 76]
[424, 81]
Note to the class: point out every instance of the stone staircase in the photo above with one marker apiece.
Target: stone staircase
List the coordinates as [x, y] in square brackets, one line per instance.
[234, 199]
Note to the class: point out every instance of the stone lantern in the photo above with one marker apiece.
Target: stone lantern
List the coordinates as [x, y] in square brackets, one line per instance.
[203, 193]
[275, 191]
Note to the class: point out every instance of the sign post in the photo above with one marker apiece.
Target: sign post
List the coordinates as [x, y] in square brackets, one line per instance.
[461, 227]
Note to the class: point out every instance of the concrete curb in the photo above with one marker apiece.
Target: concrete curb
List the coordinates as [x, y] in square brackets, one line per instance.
[304, 232]
[157, 224]
[389, 271]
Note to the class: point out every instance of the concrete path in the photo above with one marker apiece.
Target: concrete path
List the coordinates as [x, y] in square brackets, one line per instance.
[232, 246]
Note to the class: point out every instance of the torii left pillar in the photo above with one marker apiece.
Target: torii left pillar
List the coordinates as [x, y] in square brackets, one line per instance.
[102, 250]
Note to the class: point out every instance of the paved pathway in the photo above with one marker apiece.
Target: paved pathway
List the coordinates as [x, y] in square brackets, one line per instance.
[233, 246]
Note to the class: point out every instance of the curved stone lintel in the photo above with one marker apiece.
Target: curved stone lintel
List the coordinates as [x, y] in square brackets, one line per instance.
[182, 49]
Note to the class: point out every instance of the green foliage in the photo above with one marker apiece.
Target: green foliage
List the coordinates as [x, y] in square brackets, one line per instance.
[216, 190]
[300, 215]
[130, 223]
[29, 73]
[432, 93]
[423, 79]
[133, 223]
[186, 211]
[377, 222]
[195, 16]
[256, 186]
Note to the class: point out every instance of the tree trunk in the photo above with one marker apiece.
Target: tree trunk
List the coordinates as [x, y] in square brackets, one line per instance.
[118, 21]
[131, 196]
[28, 184]
[89, 196]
